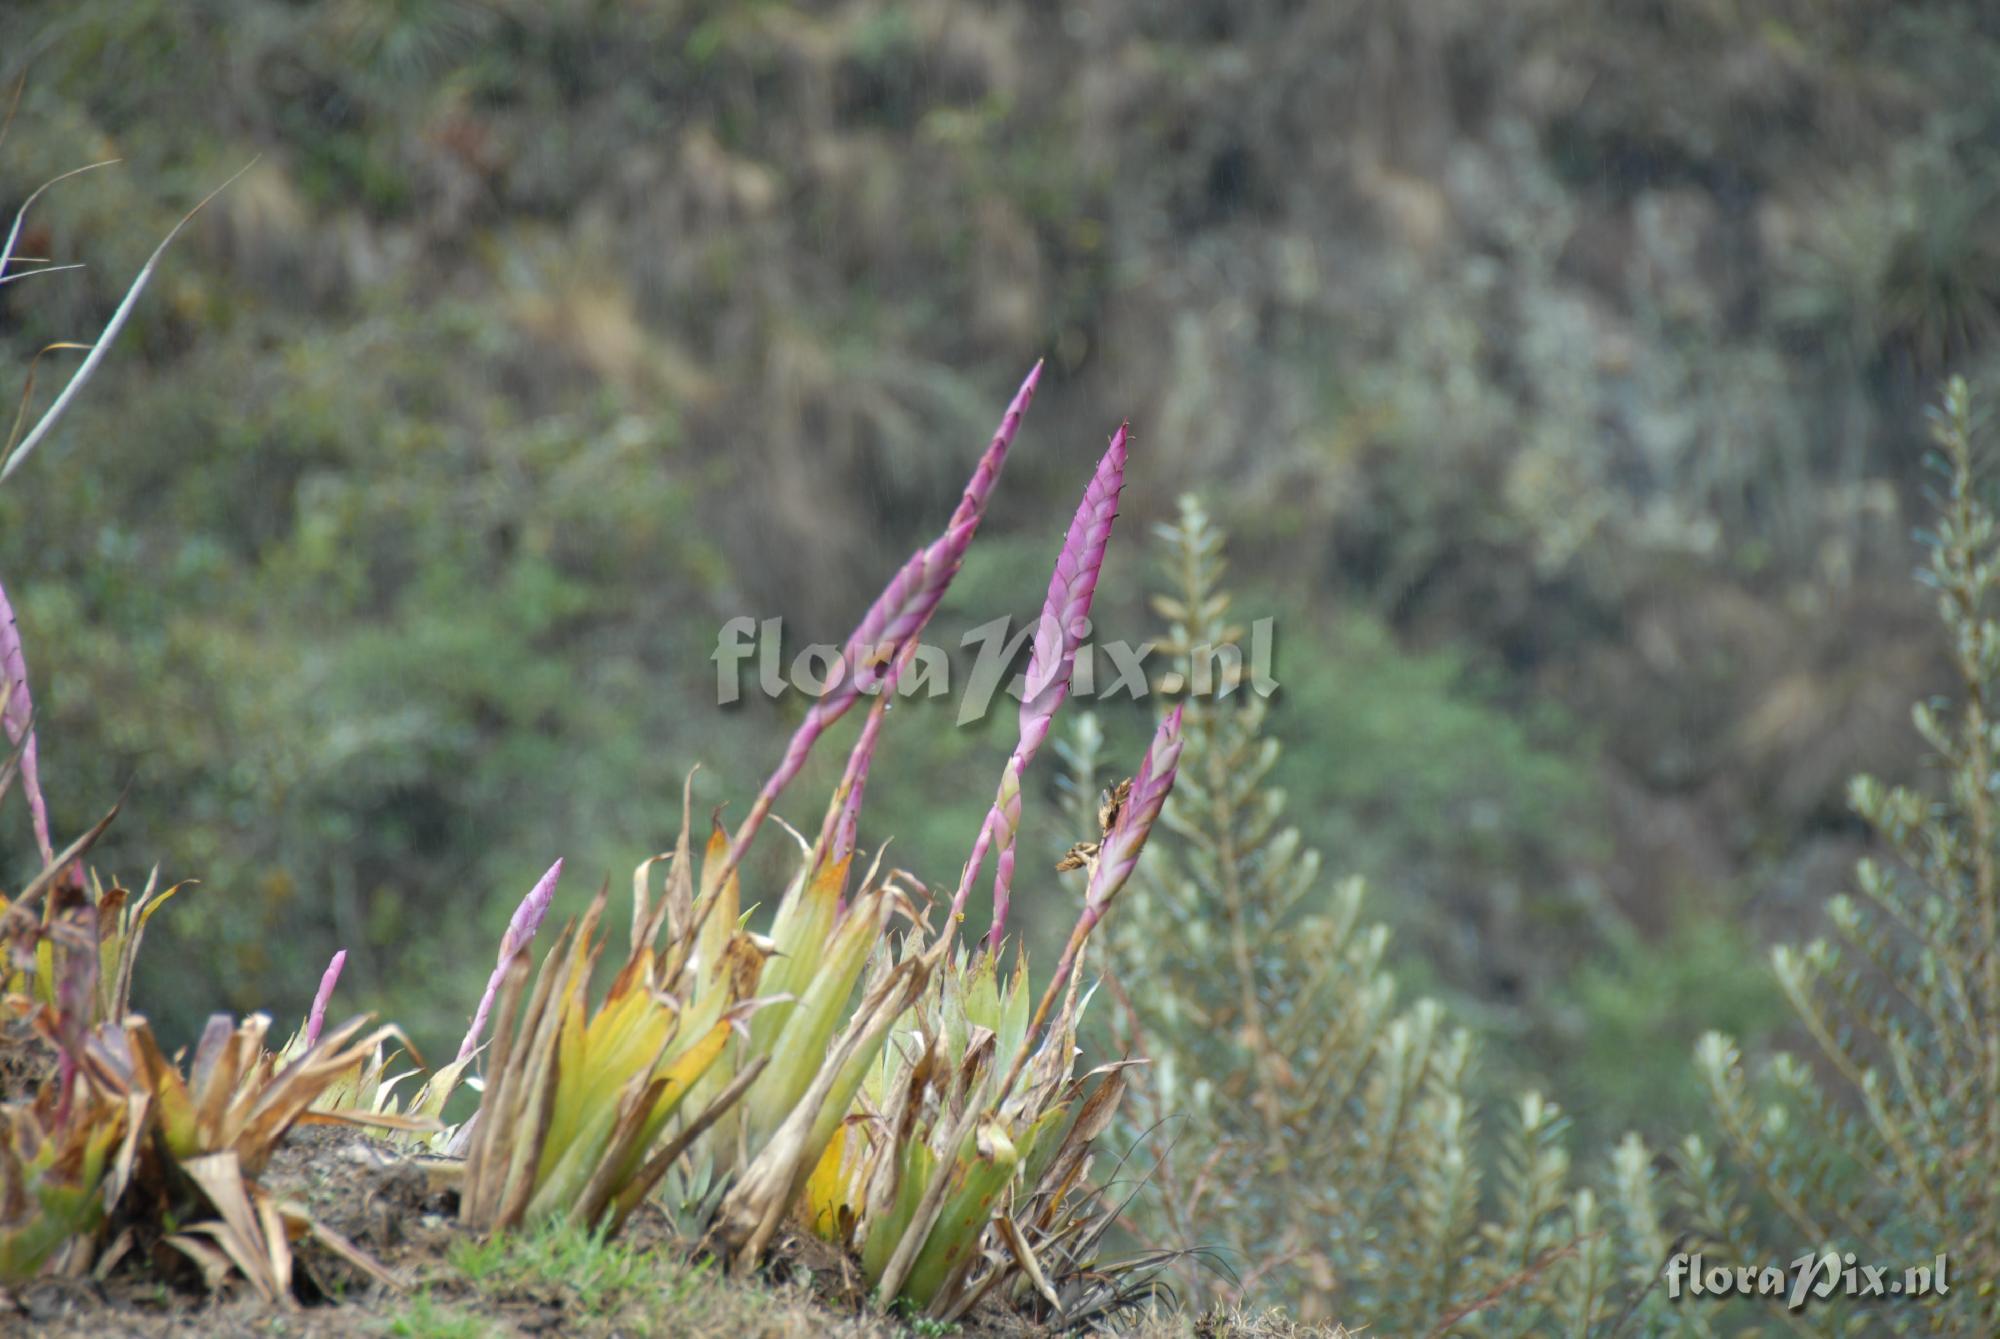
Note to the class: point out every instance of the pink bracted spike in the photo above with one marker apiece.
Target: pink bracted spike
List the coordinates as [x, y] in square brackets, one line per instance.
[1120, 851]
[1059, 633]
[18, 723]
[842, 828]
[1115, 861]
[893, 621]
[521, 929]
[316, 1018]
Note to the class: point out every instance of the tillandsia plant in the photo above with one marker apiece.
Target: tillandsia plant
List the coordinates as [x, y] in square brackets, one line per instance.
[763, 1065]
[202, 1138]
[575, 1098]
[110, 1130]
[979, 1096]
[942, 1175]
[56, 1143]
[118, 1133]
[373, 1096]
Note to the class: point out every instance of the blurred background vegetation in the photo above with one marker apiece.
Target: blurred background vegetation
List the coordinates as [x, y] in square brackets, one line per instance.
[1555, 367]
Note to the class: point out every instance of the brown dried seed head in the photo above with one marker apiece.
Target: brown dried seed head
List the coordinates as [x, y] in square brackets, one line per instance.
[1077, 857]
[1113, 804]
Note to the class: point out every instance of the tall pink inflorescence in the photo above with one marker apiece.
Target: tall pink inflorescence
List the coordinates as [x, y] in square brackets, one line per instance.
[1059, 634]
[842, 828]
[521, 927]
[316, 1017]
[894, 620]
[1116, 859]
[1119, 854]
[18, 721]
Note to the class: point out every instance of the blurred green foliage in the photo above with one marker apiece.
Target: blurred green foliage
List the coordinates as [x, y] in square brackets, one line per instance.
[1412, 759]
[1881, 1130]
[1320, 1139]
[1332, 1146]
[348, 657]
[1637, 1014]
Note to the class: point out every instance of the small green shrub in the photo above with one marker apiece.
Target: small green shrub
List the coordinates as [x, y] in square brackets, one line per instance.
[1883, 1139]
[1308, 1128]
[1640, 1008]
[1322, 1139]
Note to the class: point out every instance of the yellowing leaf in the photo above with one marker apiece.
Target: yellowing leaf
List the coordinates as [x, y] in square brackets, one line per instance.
[828, 1211]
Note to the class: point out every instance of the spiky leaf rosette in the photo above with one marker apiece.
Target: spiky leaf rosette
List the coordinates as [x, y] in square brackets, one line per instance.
[952, 1178]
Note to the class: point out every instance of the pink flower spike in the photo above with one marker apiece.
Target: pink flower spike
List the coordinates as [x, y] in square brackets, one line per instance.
[317, 1017]
[893, 621]
[1120, 850]
[839, 834]
[1115, 861]
[18, 720]
[1066, 608]
[1059, 633]
[521, 929]
[980, 487]
[847, 832]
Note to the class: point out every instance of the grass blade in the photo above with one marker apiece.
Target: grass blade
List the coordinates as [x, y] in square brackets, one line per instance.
[21, 214]
[102, 344]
